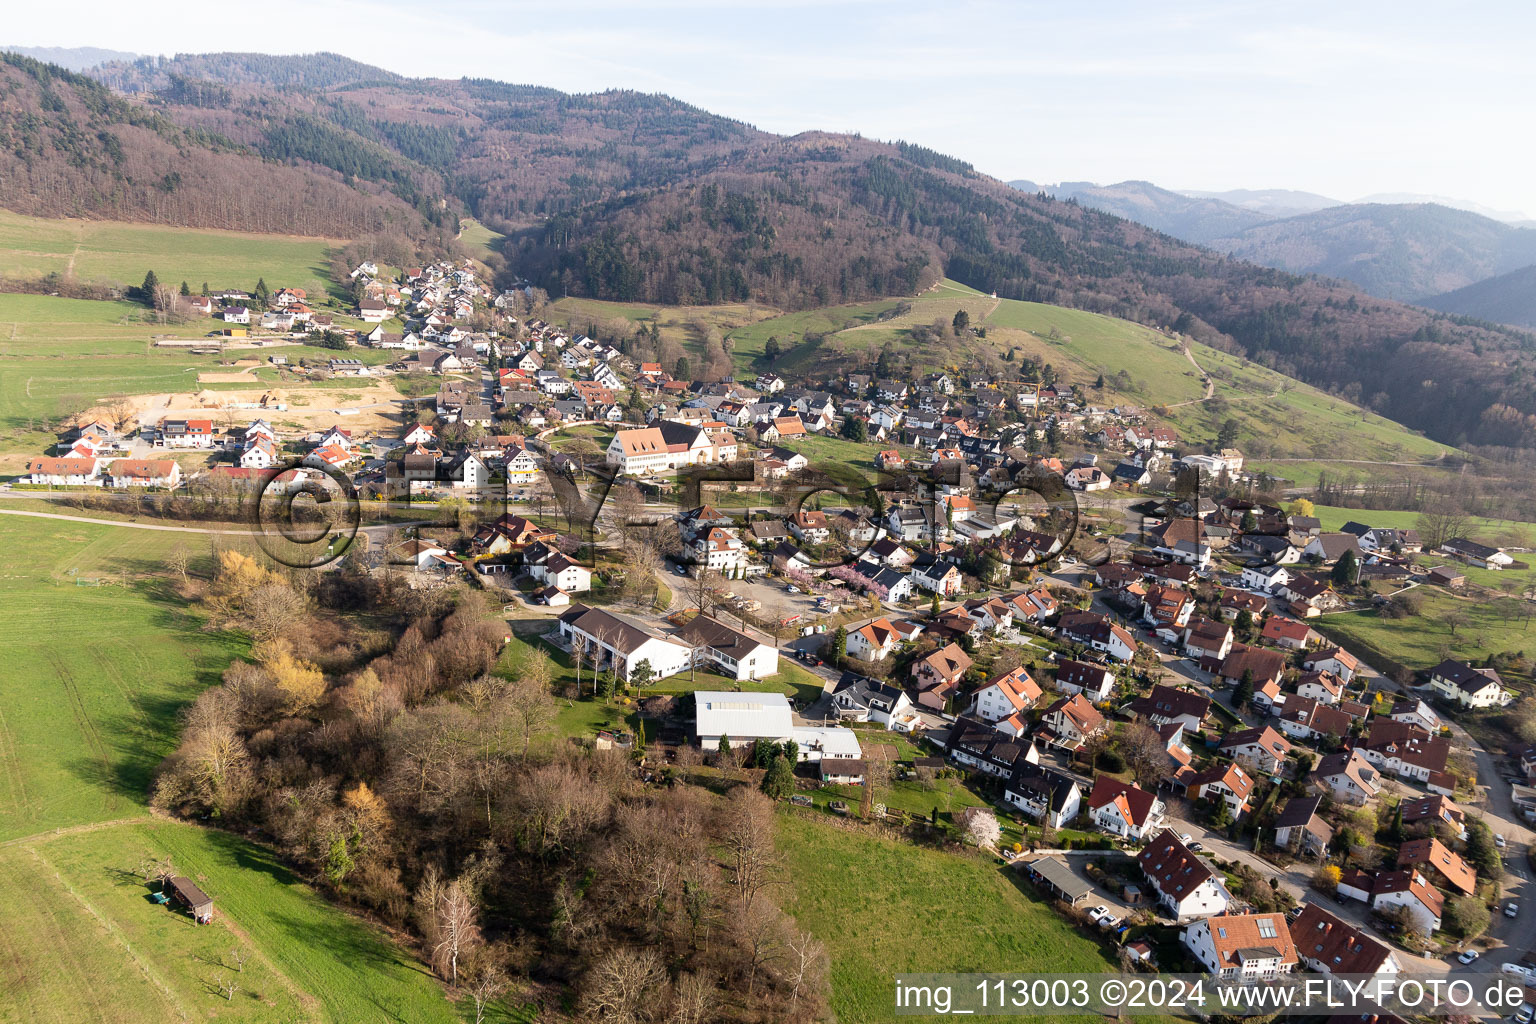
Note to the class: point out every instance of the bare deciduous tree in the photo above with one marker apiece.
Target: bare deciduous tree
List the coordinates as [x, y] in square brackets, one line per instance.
[1144, 754]
[620, 984]
[457, 928]
[747, 833]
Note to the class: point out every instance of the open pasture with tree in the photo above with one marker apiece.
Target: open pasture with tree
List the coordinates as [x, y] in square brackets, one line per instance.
[81, 941]
[94, 251]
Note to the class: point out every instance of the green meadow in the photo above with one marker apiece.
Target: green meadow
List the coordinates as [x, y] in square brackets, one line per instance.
[101, 656]
[885, 906]
[110, 251]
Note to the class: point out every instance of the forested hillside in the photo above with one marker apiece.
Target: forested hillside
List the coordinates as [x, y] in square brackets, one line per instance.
[71, 148]
[1509, 298]
[642, 197]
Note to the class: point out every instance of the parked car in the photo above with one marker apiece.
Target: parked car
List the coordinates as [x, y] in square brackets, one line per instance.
[1097, 912]
[1196, 846]
[791, 589]
[1511, 910]
[1524, 1014]
[1469, 956]
[1500, 842]
[1185, 838]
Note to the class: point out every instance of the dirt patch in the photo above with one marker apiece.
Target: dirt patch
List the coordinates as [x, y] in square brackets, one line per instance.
[880, 751]
[242, 377]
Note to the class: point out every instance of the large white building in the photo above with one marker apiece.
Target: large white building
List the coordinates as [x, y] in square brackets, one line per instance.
[728, 651]
[610, 639]
[669, 446]
[742, 718]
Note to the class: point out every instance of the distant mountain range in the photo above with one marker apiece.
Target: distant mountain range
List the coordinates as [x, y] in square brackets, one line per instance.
[75, 58]
[1271, 202]
[1410, 251]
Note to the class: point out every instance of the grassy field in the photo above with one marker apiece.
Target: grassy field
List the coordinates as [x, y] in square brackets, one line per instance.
[82, 942]
[95, 678]
[480, 240]
[109, 251]
[1424, 640]
[934, 911]
[95, 675]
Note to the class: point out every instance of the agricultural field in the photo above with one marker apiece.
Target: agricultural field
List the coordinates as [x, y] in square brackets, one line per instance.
[109, 251]
[96, 676]
[83, 942]
[480, 240]
[682, 324]
[1446, 626]
[947, 913]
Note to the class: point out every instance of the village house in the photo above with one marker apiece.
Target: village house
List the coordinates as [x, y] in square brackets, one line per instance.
[1264, 666]
[1266, 578]
[1470, 687]
[1347, 777]
[1260, 748]
[558, 570]
[1300, 829]
[1035, 606]
[1410, 893]
[1432, 856]
[1225, 782]
[1098, 632]
[66, 472]
[1045, 794]
[668, 446]
[1437, 810]
[1336, 660]
[1323, 687]
[1417, 713]
[937, 676]
[1070, 722]
[1288, 633]
[1007, 697]
[1095, 682]
[1185, 884]
[873, 641]
[1303, 719]
[1166, 704]
[1473, 553]
[728, 651]
[1328, 945]
[1243, 947]
[612, 640]
[144, 473]
[1405, 750]
[936, 575]
[977, 745]
[1122, 809]
[862, 699]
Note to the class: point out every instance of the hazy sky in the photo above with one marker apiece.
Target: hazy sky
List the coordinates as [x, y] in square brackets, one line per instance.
[1344, 98]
